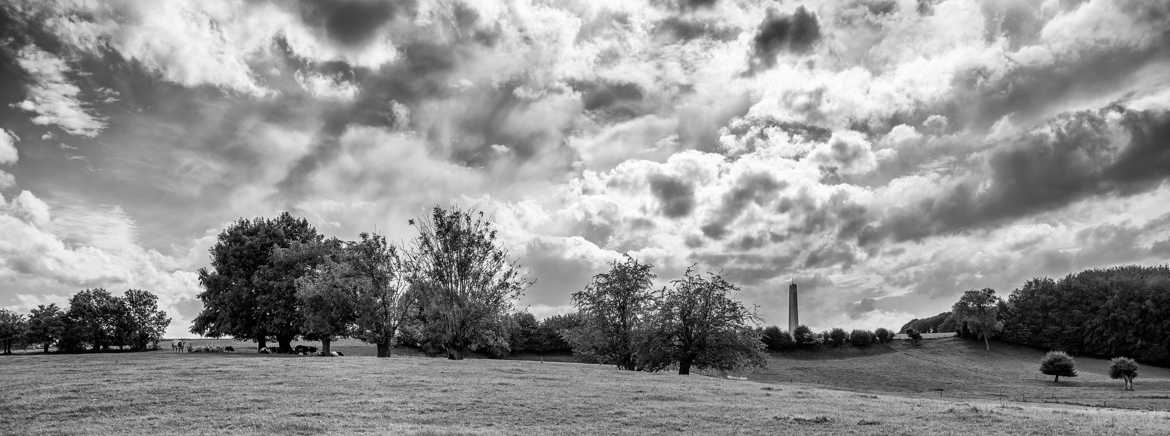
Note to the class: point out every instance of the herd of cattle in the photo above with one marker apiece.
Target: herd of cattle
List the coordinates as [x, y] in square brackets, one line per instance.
[300, 350]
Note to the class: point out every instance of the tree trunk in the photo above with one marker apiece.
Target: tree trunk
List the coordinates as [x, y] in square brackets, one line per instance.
[46, 347]
[986, 344]
[325, 345]
[261, 343]
[684, 367]
[285, 343]
[384, 348]
[1057, 380]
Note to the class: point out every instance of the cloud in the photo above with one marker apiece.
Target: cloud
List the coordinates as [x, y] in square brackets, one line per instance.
[677, 196]
[8, 153]
[52, 97]
[778, 32]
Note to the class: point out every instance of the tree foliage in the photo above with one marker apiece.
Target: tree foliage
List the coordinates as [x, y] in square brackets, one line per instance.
[1058, 364]
[144, 323]
[1123, 368]
[615, 307]
[915, 337]
[464, 282]
[883, 335]
[977, 311]
[777, 340]
[13, 327]
[804, 336]
[327, 293]
[837, 337]
[861, 338]
[247, 292]
[699, 323]
[941, 323]
[382, 297]
[46, 325]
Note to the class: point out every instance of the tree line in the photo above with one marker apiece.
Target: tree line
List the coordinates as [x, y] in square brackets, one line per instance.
[95, 321]
[804, 338]
[1120, 311]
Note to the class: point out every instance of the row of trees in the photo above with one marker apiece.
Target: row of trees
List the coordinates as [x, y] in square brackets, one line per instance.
[1123, 311]
[95, 320]
[450, 290]
[776, 339]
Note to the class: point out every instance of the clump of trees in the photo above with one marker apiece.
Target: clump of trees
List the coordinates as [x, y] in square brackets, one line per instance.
[450, 290]
[1099, 312]
[915, 337]
[941, 323]
[1123, 368]
[777, 340]
[1058, 364]
[837, 337]
[96, 320]
[694, 323]
[861, 338]
[883, 335]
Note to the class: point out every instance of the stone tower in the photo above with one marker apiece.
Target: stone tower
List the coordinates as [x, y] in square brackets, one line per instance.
[793, 315]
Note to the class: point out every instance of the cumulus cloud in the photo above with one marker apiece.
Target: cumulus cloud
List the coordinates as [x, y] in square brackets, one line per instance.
[52, 97]
[796, 32]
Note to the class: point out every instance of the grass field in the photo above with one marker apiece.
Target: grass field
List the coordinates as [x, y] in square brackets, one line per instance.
[888, 391]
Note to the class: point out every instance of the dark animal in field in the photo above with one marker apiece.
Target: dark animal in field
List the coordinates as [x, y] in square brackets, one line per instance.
[264, 350]
[229, 349]
[189, 348]
[338, 353]
[177, 346]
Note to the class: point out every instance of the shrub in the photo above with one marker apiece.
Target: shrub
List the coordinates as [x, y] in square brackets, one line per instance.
[883, 335]
[837, 337]
[915, 337]
[777, 340]
[804, 336]
[861, 338]
[1058, 363]
[1123, 368]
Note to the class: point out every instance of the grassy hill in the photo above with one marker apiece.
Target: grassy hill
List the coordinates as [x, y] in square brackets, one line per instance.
[952, 368]
[889, 390]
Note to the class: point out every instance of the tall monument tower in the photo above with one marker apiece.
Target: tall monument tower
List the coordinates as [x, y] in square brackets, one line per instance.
[793, 315]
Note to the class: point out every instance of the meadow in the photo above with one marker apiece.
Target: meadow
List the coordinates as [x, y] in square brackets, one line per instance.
[889, 390]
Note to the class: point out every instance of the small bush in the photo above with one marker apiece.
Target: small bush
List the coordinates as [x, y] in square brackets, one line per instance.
[1123, 368]
[883, 335]
[837, 337]
[777, 340]
[915, 337]
[1058, 363]
[804, 336]
[861, 338]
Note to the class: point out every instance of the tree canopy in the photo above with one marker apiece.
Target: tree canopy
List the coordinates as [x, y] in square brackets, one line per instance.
[615, 307]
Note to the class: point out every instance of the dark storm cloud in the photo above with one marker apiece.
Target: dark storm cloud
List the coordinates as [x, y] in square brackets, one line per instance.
[1043, 172]
[751, 188]
[352, 22]
[609, 101]
[676, 197]
[796, 33]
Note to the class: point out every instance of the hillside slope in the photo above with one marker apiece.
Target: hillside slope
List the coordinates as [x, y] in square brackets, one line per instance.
[956, 368]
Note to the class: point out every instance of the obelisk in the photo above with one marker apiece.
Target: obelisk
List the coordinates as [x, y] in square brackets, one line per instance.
[793, 316]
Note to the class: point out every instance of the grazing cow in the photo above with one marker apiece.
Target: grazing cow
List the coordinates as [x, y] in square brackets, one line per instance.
[190, 349]
[177, 346]
[229, 349]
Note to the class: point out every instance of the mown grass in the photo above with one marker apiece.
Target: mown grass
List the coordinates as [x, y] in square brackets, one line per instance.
[163, 392]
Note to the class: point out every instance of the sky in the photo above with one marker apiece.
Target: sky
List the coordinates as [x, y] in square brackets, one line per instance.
[885, 155]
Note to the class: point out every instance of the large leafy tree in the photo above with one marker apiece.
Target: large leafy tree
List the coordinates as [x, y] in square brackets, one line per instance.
[247, 292]
[147, 322]
[464, 282]
[327, 293]
[93, 318]
[699, 323]
[615, 308]
[12, 329]
[978, 310]
[46, 325]
[381, 299]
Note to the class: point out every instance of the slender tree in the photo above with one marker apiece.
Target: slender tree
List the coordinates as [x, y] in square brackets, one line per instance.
[464, 281]
[1123, 368]
[978, 310]
[614, 307]
[382, 297]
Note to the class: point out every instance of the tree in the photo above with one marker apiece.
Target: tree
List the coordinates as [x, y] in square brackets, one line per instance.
[861, 338]
[464, 280]
[804, 336]
[94, 316]
[148, 323]
[614, 307]
[249, 294]
[883, 335]
[701, 325]
[382, 297]
[1058, 363]
[1123, 368]
[524, 331]
[978, 311]
[837, 337]
[46, 325]
[554, 329]
[327, 293]
[776, 339]
[13, 328]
